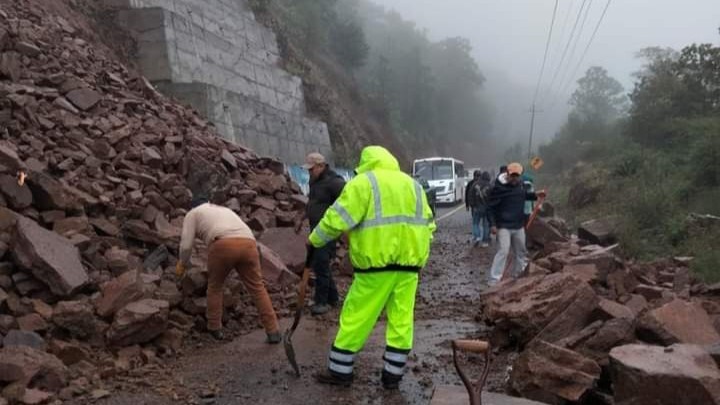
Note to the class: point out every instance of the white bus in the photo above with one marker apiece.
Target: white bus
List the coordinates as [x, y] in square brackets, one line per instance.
[445, 175]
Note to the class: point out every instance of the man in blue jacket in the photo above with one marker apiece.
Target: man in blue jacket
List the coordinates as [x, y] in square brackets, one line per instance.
[507, 220]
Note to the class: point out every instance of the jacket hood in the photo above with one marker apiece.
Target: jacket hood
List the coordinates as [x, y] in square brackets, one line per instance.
[376, 157]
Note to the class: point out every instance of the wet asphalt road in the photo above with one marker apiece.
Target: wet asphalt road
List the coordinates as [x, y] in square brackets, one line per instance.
[247, 371]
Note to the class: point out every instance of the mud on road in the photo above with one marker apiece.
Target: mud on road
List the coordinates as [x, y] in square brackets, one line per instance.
[247, 371]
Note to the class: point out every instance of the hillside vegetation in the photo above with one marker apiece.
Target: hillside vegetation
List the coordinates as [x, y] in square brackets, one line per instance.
[652, 157]
[423, 97]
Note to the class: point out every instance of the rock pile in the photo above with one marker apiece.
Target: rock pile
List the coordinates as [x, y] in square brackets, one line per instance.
[87, 245]
[594, 329]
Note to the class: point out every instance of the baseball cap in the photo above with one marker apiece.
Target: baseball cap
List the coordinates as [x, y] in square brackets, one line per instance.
[515, 168]
[313, 159]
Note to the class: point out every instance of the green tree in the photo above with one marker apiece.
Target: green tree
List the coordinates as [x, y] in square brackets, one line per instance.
[598, 97]
[348, 44]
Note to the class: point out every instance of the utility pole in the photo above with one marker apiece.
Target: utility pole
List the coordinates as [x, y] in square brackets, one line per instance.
[533, 111]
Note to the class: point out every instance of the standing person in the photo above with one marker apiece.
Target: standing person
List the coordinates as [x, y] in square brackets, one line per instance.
[390, 225]
[231, 245]
[487, 179]
[507, 216]
[529, 205]
[476, 194]
[325, 188]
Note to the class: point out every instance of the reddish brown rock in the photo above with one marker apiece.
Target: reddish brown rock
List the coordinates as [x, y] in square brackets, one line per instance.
[275, 272]
[139, 322]
[525, 306]
[599, 231]
[50, 194]
[24, 364]
[119, 292]
[69, 353]
[24, 338]
[289, 245]
[608, 309]
[84, 98]
[32, 323]
[72, 225]
[542, 233]
[18, 197]
[51, 258]
[678, 322]
[75, 317]
[545, 372]
[678, 375]
[573, 318]
[586, 272]
[650, 292]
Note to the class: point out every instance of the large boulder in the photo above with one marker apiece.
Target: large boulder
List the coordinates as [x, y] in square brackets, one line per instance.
[288, 244]
[573, 318]
[525, 306]
[678, 375]
[23, 364]
[678, 322]
[274, 270]
[52, 259]
[546, 372]
[119, 292]
[139, 322]
[599, 231]
[50, 194]
[542, 233]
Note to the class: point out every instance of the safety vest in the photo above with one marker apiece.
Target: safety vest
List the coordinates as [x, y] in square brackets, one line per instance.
[385, 213]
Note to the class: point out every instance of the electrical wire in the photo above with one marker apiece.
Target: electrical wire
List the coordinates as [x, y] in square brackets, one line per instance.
[547, 49]
[587, 48]
[567, 47]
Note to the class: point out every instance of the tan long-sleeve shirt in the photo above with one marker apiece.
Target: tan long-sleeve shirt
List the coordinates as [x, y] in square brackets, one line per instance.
[210, 222]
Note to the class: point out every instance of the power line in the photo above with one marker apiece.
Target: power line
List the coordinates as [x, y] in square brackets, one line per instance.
[566, 70]
[567, 47]
[566, 20]
[587, 48]
[547, 48]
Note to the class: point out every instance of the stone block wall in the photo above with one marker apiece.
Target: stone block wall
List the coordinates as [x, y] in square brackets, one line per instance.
[213, 55]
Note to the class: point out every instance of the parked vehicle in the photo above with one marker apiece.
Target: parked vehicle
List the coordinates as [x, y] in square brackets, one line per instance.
[429, 192]
[445, 174]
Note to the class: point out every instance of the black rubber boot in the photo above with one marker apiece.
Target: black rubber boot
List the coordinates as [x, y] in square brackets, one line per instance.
[390, 381]
[328, 377]
[273, 338]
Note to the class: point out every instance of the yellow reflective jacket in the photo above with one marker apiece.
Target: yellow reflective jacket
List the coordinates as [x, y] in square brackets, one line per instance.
[386, 214]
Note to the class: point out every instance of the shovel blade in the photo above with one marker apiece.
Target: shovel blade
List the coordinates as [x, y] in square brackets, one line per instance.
[290, 351]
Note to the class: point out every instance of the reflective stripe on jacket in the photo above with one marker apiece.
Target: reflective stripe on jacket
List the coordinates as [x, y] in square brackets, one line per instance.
[386, 213]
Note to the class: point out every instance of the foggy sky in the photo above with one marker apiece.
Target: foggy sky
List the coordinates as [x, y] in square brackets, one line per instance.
[509, 37]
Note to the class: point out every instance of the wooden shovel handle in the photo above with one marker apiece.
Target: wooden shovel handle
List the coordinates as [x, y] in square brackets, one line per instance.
[472, 346]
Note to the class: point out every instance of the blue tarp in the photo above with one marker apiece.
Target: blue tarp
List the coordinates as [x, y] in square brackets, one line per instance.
[302, 177]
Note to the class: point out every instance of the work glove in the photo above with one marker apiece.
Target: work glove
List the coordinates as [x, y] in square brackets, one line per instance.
[180, 270]
[21, 176]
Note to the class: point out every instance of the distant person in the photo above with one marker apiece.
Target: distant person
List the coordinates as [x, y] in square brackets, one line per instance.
[477, 193]
[502, 171]
[507, 216]
[390, 227]
[231, 245]
[325, 188]
[529, 205]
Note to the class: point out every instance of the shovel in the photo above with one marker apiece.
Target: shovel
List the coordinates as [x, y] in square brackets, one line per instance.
[474, 389]
[287, 337]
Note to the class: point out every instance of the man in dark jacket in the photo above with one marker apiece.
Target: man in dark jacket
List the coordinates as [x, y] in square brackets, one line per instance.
[476, 195]
[507, 219]
[325, 188]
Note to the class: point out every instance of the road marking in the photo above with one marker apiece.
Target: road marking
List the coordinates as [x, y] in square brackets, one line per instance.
[449, 214]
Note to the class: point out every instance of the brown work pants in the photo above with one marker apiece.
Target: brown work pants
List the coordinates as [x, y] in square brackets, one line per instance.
[240, 254]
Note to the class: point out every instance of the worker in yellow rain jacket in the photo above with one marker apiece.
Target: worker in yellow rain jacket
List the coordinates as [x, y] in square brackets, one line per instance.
[390, 228]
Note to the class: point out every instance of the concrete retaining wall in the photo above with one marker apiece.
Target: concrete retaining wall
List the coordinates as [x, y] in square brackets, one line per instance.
[213, 55]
